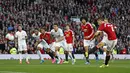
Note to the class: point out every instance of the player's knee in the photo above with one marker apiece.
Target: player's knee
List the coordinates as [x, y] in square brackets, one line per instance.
[48, 50]
[86, 48]
[57, 49]
[100, 44]
[38, 48]
[108, 53]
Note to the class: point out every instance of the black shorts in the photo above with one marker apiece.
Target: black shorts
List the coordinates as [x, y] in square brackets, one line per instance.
[2, 47]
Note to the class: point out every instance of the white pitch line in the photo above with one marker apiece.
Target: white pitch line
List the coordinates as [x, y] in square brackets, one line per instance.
[11, 72]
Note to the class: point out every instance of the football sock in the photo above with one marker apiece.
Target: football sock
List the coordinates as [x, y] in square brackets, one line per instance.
[107, 60]
[87, 57]
[86, 54]
[104, 56]
[73, 56]
[66, 56]
[56, 57]
[51, 55]
[57, 53]
[70, 55]
[96, 55]
[20, 56]
[39, 54]
[26, 55]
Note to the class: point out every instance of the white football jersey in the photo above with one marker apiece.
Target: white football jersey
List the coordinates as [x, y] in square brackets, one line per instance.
[36, 36]
[57, 34]
[21, 36]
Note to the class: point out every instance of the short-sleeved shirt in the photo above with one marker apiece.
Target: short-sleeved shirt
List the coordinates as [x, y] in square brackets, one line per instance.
[21, 35]
[57, 34]
[69, 36]
[109, 30]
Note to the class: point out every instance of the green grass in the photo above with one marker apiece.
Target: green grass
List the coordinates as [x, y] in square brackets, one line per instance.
[13, 66]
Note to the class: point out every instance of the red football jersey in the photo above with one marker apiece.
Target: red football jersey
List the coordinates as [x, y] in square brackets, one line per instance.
[109, 29]
[88, 30]
[69, 36]
[47, 37]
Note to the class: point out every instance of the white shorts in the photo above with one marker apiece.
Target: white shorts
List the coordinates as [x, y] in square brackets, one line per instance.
[52, 46]
[69, 47]
[110, 44]
[22, 47]
[62, 44]
[44, 45]
[89, 43]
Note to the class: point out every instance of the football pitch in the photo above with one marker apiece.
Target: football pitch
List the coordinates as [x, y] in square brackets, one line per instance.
[13, 66]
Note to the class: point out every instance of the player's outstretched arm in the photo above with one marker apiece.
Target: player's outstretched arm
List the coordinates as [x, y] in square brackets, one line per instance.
[96, 34]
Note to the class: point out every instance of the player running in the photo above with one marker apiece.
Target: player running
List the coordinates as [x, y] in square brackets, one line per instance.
[21, 37]
[110, 42]
[88, 30]
[44, 41]
[58, 34]
[69, 36]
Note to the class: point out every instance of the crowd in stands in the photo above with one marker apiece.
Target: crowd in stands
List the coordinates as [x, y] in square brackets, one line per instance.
[38, 13]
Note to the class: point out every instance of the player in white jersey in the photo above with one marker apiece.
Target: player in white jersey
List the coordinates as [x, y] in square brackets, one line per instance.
[58, 34]
[36, 34]
[21, 37]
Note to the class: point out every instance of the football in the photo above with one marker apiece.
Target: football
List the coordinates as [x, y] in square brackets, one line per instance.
[10, 37]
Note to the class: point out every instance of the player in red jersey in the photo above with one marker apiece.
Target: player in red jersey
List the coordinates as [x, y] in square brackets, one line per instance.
[88, 30]
[69, 36]
[111, 41]
[45, 42]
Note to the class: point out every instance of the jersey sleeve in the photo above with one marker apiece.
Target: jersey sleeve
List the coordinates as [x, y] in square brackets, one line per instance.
[61, 33]
[82, 28]
[16, 35]
[25, 33]
[72, 33]
[101, 27]
[33, 35]
[41, 36]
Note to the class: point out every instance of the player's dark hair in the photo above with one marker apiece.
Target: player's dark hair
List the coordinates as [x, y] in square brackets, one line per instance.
[68, 24]
[85, 18]
[55, 24]
[44, 28]
[36, 29]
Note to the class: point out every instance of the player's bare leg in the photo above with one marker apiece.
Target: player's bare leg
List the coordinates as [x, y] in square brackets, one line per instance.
[96, 47]
[40, 55]
[27, 58]
[86, 55]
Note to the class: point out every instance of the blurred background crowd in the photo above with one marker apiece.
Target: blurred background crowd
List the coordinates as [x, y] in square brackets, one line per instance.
[38, 13]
